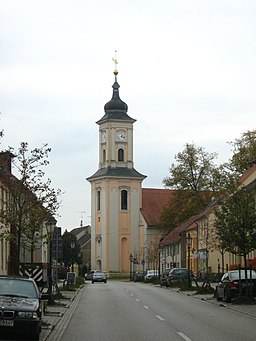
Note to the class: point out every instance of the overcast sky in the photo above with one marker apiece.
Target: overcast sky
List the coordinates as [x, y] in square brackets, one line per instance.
[187, 71]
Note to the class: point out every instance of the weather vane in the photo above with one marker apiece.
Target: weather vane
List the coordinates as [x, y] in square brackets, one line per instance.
[115, 61]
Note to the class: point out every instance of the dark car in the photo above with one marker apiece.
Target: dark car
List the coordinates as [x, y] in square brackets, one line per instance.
[139, 276]
[88, 276]
[99, 277]
[164, 277]
[177, 275]
[229, 286]
[20, 308]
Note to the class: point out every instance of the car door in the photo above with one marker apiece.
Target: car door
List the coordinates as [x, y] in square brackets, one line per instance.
[222, 284]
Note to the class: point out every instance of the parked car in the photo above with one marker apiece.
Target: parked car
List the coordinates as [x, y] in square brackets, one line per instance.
[164, 277]
[228, 286]
[88, 276]
[20, 307]
[139, 276]
[99, 277]
[151, 275]
[177, 275]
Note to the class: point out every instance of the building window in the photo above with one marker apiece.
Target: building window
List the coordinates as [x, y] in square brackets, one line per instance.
[98, 200]
[120, 154]
[104, 155]
[124, 200]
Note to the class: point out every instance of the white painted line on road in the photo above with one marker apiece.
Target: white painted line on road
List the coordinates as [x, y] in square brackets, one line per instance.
[146, 307]
[137, 300]
[131, 295]
[160, 317]
[185, 337]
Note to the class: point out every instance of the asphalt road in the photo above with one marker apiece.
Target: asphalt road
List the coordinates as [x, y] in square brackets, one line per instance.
[127, 311]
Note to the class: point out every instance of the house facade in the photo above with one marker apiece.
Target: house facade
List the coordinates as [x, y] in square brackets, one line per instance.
[203, 255]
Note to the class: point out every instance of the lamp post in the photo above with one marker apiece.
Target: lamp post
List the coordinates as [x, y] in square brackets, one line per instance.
[189, 242]
[50, 226]
[160, 248]
[131, 260]
[72, 245]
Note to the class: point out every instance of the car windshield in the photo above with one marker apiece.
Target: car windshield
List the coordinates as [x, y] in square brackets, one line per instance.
[98, 274]
[235, 274]
[17, 288]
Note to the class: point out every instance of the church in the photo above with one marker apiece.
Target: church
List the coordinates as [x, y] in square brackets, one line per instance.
[121, 226]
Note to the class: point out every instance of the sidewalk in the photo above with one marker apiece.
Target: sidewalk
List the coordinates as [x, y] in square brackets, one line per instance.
[56, 315]
[248, 309]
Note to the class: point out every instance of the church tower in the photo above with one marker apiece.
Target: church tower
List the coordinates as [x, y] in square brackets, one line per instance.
[116, 196]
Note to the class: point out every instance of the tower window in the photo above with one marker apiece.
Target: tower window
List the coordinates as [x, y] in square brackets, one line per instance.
[120, 154]
[124, 200]
[98, 200]
[104, 155]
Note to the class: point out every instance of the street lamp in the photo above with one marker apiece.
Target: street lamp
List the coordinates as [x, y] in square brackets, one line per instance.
[50, 226]
[73, 244]
[131, 260]
[160, 248]
[189, 242]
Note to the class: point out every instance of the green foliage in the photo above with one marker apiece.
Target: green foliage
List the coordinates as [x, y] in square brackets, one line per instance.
[236, 222]
[244, 152]
[70, 254]
[31, 201]
[183, 205]
[194, 170]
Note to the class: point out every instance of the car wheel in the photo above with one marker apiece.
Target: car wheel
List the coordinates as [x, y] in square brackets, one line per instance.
[105, 281]
[227, 297]
[218, 297]
[92, 282]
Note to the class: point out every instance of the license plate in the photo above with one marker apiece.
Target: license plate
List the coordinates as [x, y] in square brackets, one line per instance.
[7, 323]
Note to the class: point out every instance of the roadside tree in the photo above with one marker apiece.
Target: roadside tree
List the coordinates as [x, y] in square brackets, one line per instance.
[236, 223]
[30, 201]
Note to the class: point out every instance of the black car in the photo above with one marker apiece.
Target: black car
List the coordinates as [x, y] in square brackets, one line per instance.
[177, 275]
[20, 308]
[139, 276]
[99, 277]
[232, 285]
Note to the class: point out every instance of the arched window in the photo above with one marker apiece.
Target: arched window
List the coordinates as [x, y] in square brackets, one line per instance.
[124, 200]
[120, 154]
[98, 200]
[104, 155]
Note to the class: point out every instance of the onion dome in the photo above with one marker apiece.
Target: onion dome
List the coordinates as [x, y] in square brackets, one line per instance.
[116, 109]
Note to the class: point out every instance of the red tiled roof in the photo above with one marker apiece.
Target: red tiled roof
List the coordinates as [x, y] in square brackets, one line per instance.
[153, 202]
[247, 173]
[174, 235]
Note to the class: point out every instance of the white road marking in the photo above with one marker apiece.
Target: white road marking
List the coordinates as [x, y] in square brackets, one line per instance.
[160, 317]
[185, 337]
[131, 295]
[146, 307]
[137, 300]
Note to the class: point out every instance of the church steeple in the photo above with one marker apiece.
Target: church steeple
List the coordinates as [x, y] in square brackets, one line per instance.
[116, 109]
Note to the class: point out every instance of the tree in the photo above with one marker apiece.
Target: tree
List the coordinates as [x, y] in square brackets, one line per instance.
[236, 223]
[194, 170]
[244, 152]
[196, 179]
[70, 256]
[30, 201]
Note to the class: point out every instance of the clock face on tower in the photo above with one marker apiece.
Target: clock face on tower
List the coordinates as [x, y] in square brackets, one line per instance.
[121, 136]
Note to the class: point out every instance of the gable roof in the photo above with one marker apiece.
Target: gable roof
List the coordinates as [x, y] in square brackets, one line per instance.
[248, 176]
[175, 235]
[153, 202]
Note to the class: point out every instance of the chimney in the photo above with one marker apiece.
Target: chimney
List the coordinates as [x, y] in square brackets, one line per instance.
[6, 162]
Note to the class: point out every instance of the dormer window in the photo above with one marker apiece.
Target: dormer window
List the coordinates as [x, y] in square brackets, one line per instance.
[120, 154]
